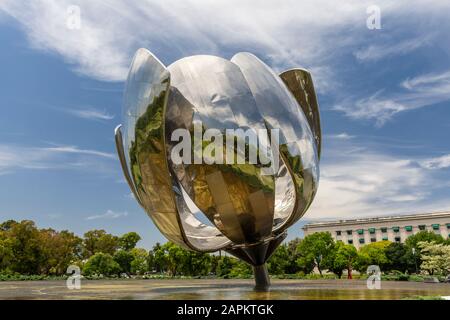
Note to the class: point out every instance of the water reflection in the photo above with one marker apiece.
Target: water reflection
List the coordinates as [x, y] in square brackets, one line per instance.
[304, 291]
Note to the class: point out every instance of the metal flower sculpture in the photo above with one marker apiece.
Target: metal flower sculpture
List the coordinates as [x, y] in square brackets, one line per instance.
[204, 205]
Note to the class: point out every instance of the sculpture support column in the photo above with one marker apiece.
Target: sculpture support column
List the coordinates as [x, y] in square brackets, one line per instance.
[262, 281]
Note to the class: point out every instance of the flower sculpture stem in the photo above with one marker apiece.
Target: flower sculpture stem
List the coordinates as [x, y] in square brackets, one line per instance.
[262, 281]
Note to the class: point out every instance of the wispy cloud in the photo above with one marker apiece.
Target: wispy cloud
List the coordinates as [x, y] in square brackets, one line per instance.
[13, 157]
[421, 91]
[376, 52]
[359, 182]
[76, 150]
[437, 162]
[308, 33]
[343, 136]
[109, 214]
[90, 114]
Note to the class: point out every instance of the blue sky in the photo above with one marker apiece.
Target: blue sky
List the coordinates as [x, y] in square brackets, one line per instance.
[384, 97]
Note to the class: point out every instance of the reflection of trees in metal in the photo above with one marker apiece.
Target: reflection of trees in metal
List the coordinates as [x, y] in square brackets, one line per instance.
[249, 211]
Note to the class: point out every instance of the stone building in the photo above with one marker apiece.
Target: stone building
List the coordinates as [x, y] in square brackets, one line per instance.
[394, 228]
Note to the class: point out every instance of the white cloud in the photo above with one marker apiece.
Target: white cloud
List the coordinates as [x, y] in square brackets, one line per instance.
[14, 157]
[90, 114]
[418, 92]
[358, 182]
[435, 83]
[109, 214]
[436, 163]
[376, 52]
[290, 33]
[76, 150]
[342, 136]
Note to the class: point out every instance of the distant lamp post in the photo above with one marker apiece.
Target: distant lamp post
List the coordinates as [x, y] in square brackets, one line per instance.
[415, 259]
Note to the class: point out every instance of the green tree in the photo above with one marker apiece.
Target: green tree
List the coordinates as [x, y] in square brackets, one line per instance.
[435, 257]
[26, 246]
[6, 254]
[224, 266]
[314, 251]
[174, 257]
[413, 256]
[196, 263]
[96, 241]
[101, 264]
[140, 263]
[292, 267]
[240, 269]
[58, 250]
[124, 259]
[423, 236]
[159, 258]
[396, 254]
[129, 240]
[372, 254]
[343, 259]
[278, 263]
[7, 225]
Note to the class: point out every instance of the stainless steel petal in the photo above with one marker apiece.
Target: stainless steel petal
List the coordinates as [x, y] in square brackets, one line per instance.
[297, 146]
[145, 104]
[237, 198]
[300, 83]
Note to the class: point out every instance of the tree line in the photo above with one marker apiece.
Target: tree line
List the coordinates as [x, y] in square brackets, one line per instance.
[27, 250]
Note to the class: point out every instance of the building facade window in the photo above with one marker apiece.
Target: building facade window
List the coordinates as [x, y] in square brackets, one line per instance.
[448, 225]
[371, 230]
[373, 239]
[349, 232]
[408, 228]
[361, 240]
[396, 229]
[350, 241]
[385, 238]
[435, 226]
[422, 227]
[338, 233]
[384, 229]
[397, 239]
[360, 231]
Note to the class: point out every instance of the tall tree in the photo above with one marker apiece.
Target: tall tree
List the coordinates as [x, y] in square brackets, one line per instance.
[278, 263]
[413, 255]
[435, 257]
[26, 247]
[372, 254]
[96, 241]
[315, 250]
[124, 259]
[396, 254]
[129, 240]
[343, 259]
[101, 264]
[140, 263]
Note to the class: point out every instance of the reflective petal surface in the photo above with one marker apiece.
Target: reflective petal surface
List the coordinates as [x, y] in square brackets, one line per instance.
[145, 103]
[297, 146]
[245, 210]
[236, 198]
